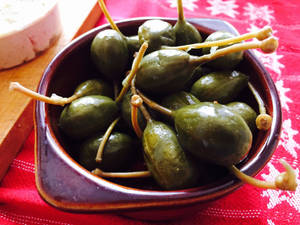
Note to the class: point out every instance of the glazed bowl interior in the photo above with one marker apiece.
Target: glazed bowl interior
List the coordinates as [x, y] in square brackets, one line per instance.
[73, 66]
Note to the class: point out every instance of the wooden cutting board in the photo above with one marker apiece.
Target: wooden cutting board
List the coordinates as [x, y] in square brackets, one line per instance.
[16, 110]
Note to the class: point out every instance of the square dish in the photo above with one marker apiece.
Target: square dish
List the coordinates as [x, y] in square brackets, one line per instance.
[65, 184]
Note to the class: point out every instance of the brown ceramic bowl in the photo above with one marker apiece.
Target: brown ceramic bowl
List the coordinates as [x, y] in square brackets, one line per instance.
[65, 184]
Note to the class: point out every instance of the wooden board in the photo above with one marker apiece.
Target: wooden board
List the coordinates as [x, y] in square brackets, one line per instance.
[16, 110]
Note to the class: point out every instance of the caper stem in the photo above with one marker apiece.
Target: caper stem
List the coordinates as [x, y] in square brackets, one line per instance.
[136, 174]
[141, 107]
[180, 11]
[145, 113]
[54, 99]
[133, 88]
[136, 102]
[260, 35]
[108, 17]
[270, 43]
[116, 89]
[135, 66]
[152, 104]
[260, 102]
[284, 181]
[263, 120]
[104, 140]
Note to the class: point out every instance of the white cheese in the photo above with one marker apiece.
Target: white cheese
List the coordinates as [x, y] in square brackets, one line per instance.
[27, 27]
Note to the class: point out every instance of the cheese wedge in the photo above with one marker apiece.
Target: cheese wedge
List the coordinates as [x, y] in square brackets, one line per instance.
[27, 27]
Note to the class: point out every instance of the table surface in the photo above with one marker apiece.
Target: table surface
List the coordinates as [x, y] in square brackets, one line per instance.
[19, 199]
[16, 109]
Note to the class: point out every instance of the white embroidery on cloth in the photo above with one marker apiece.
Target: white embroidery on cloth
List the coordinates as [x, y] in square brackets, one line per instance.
[282, 94]
[271, 61]
[287, 138]
[270, 222]
[226, 7]
[259, 13]
[26, 166]
[276, 197]
[188, 4]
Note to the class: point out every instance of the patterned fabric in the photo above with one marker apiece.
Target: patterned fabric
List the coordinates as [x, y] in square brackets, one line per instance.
[21, 204]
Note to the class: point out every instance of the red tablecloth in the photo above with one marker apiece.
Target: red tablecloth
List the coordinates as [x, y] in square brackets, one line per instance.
[20, 202]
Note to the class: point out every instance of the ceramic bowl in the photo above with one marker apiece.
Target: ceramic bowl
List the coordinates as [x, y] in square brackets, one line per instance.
[65, 184]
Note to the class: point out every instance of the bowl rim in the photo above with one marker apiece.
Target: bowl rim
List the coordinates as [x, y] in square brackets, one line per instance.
[161, 198]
